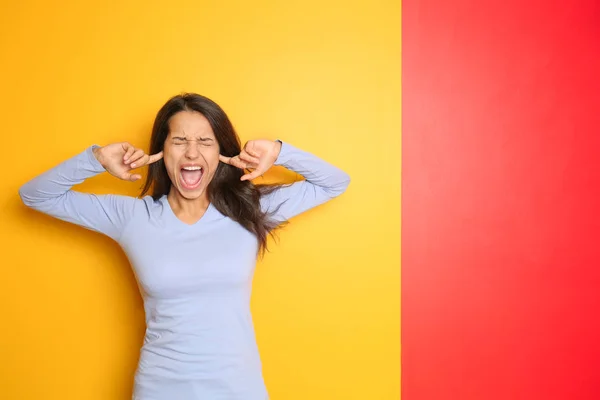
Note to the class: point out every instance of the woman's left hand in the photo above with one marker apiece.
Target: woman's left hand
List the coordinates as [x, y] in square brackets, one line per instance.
[259, 155]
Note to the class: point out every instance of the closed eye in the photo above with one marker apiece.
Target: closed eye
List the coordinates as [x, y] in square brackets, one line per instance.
[204, 141]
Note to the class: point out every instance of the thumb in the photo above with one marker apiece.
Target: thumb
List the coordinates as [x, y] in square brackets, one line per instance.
[131, 177]
[252, 175]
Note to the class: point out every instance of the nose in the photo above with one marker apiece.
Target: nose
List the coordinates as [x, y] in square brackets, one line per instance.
[191, 151]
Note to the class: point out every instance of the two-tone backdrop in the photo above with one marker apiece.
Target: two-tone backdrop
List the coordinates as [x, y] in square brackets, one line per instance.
[322, 75]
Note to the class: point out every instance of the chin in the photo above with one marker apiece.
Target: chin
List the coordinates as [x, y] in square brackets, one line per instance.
[191, 194]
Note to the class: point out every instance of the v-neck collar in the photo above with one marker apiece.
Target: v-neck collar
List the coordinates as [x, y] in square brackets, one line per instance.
[208, 215]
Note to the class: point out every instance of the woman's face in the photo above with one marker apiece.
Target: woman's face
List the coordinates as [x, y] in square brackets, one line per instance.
[191, 154]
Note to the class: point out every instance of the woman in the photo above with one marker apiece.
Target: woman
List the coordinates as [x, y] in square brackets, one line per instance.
[193, 243]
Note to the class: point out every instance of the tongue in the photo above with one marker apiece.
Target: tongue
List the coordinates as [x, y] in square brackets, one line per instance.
[191, 177]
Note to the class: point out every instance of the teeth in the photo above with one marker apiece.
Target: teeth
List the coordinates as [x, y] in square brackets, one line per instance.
[192, 168]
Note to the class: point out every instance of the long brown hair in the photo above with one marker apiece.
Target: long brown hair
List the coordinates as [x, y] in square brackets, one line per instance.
[236, 199]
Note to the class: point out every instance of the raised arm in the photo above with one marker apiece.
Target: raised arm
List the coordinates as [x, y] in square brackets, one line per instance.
[322, 180]
[51, 192]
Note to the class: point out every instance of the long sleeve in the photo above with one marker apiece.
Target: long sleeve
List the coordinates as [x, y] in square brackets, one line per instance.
[51, 193]
[323, 182]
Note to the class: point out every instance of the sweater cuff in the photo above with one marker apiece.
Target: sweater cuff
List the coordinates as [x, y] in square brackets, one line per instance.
[93, 162]
[284, 154]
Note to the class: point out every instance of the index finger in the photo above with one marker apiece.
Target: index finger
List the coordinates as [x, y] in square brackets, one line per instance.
[224, 159]
[233, 161]
[155, 157]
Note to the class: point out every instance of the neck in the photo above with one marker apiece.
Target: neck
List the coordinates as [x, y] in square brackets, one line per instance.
[187, 208]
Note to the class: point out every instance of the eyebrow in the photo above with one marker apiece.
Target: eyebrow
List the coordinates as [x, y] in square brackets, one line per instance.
[202, 139]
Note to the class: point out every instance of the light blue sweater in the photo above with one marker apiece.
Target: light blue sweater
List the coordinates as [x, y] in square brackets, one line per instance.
[195, 280]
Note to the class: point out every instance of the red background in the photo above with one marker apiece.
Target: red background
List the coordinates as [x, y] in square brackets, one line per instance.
[501, 197]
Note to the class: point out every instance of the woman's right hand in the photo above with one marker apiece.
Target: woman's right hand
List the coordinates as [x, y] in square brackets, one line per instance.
[119, 159]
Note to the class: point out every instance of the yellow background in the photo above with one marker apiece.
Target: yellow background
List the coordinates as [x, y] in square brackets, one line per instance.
[323, 75]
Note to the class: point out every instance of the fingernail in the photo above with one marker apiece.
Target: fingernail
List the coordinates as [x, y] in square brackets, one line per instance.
[133, 165]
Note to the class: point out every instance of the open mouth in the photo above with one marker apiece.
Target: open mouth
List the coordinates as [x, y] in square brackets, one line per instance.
[191, 176]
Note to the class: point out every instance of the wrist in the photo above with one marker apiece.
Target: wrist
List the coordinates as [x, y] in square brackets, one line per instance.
[97, 153]
[278, 145]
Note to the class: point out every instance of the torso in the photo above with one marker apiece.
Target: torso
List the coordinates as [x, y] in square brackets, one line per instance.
[196, 282]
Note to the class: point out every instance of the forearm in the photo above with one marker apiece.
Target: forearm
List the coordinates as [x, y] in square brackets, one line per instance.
[318, 172]
[50, 193]
[322, 182]
[58, 180]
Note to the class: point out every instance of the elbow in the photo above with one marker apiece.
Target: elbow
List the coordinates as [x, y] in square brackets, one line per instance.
[28, 197]
[25, 199]
[346, 182]
[342, 185]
